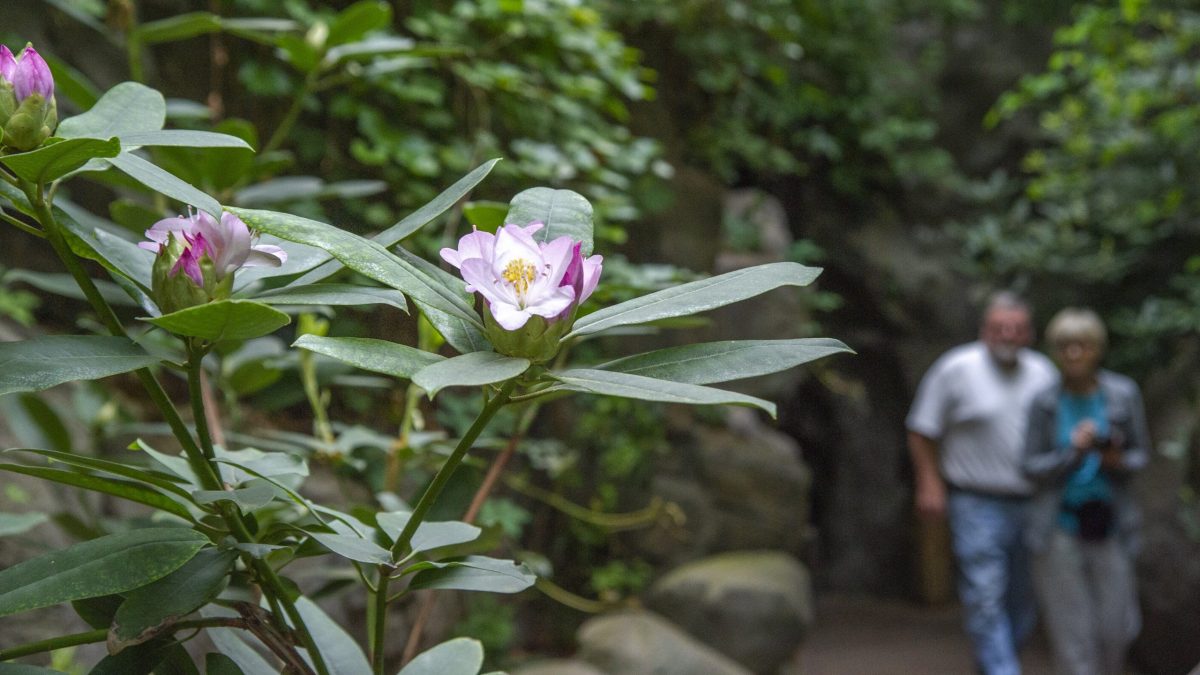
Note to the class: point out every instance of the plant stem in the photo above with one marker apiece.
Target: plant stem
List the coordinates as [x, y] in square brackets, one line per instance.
[108, 317]
[293, 113]
[102, 634]
[427, 500]
[28, 229]
[270, 582]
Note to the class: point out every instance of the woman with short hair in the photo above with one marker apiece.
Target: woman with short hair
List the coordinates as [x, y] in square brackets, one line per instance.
[1086, 437]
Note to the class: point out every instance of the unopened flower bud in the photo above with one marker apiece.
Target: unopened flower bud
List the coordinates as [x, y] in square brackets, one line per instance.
[28, 110]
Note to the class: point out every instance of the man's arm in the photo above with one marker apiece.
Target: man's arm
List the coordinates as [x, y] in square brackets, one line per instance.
[930, 488]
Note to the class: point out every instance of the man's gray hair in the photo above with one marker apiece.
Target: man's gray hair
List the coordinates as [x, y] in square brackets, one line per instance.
[1005, 300]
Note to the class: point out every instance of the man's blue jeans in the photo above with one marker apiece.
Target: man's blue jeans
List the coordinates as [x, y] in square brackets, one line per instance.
[994, 583]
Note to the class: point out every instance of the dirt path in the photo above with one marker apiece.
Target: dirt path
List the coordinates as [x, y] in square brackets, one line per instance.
[868, 636]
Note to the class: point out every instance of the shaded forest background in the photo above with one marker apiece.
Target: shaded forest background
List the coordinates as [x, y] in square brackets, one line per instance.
[924, 152]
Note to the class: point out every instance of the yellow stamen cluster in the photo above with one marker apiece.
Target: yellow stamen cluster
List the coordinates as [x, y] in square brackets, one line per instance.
[520, 273]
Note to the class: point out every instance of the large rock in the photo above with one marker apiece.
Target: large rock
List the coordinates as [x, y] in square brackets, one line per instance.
[557, 667]
[753, 606]
[637, 642]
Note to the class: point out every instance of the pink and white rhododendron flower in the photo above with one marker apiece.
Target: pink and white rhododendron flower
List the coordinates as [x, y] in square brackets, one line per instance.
[197, 256]
[521, 278]
[228, 244]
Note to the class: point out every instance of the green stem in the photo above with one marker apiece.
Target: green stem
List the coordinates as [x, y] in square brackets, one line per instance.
[204, 471]
[273, 587]
[28, 229]
[379, 626]
[102, 634]
[293, 113]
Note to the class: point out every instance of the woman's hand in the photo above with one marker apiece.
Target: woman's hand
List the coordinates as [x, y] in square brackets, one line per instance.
[1083, 437]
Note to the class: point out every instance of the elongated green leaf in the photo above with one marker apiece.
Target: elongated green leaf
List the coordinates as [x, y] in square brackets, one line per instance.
[485, 215]
[650, 389]
[341, 652]
[460, 656]
[64, 285]
[55, 160]
[219, 664]
[725, 361]
[369, 48]
[223, 320]
[698, 296]
[254, 495]
[230, 642]
[26, 669]
[334, 294]
[429, 534]
[362, 255]
[180, 27]
[43, 362]
[134, 492]
[357, 20]
[353, 547]
[415, 220]
[88, 240]
[159, 480]
[127, 108]
[562, 212]
[164, 182]
[462, 335]
[182, 138]
[20, 523]
[473, 573]
[112, 564]
[299, 259]
[150, 609]
[378, 356]
[469, 370]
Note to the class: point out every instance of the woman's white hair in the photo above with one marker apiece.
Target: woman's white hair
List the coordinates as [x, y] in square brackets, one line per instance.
[1074, 324]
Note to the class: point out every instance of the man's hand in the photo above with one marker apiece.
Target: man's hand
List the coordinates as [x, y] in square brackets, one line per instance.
[930, 488]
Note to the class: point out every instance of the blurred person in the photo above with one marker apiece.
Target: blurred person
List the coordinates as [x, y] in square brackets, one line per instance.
[1086, 437]
[966, 435]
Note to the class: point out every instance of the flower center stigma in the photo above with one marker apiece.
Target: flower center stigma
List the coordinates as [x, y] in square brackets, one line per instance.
[520, 273]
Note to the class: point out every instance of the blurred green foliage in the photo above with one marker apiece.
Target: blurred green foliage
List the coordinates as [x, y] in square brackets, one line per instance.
[1104, 211]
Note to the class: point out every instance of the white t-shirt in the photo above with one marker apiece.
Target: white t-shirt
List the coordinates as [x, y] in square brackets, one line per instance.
[977, 412]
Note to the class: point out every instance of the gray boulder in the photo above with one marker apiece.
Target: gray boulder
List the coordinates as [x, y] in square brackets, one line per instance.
[637, 642]
[752, 606]
[557, 667]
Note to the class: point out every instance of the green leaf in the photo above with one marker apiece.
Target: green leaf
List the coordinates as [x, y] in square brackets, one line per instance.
[70, 83]
[625, 385]
[353, 547]
[563, 212]
[176, 28]
[461, 335]
[64, 285]
[112, 564]
[334, 294]
[223, 320]
[485, 215]
[429, 534]
[254, 495]
[134, 492]
[127, 108]
[182, 138]
[230, 644]
[25, 669]
[361, 255]
[378, 356]
[88, 240]
[161, 481]
[148, 610]
[341, 652]
[357, 20]
[460, 656]
[415, 220]
[369, 48]
[725, 361]
[164, 182]
[219, 664]
[473, 573]
[43, 362]
[20, 523]
[697, 296]
[55, 160]
[469, 370]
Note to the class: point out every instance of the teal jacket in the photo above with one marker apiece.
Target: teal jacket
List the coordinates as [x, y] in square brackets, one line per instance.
[1048, 465]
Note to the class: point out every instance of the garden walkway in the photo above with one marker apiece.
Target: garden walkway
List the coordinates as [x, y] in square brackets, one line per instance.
[869, 636]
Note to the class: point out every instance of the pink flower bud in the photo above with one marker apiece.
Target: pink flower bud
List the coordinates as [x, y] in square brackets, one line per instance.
[32, 76]
[8, 64]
